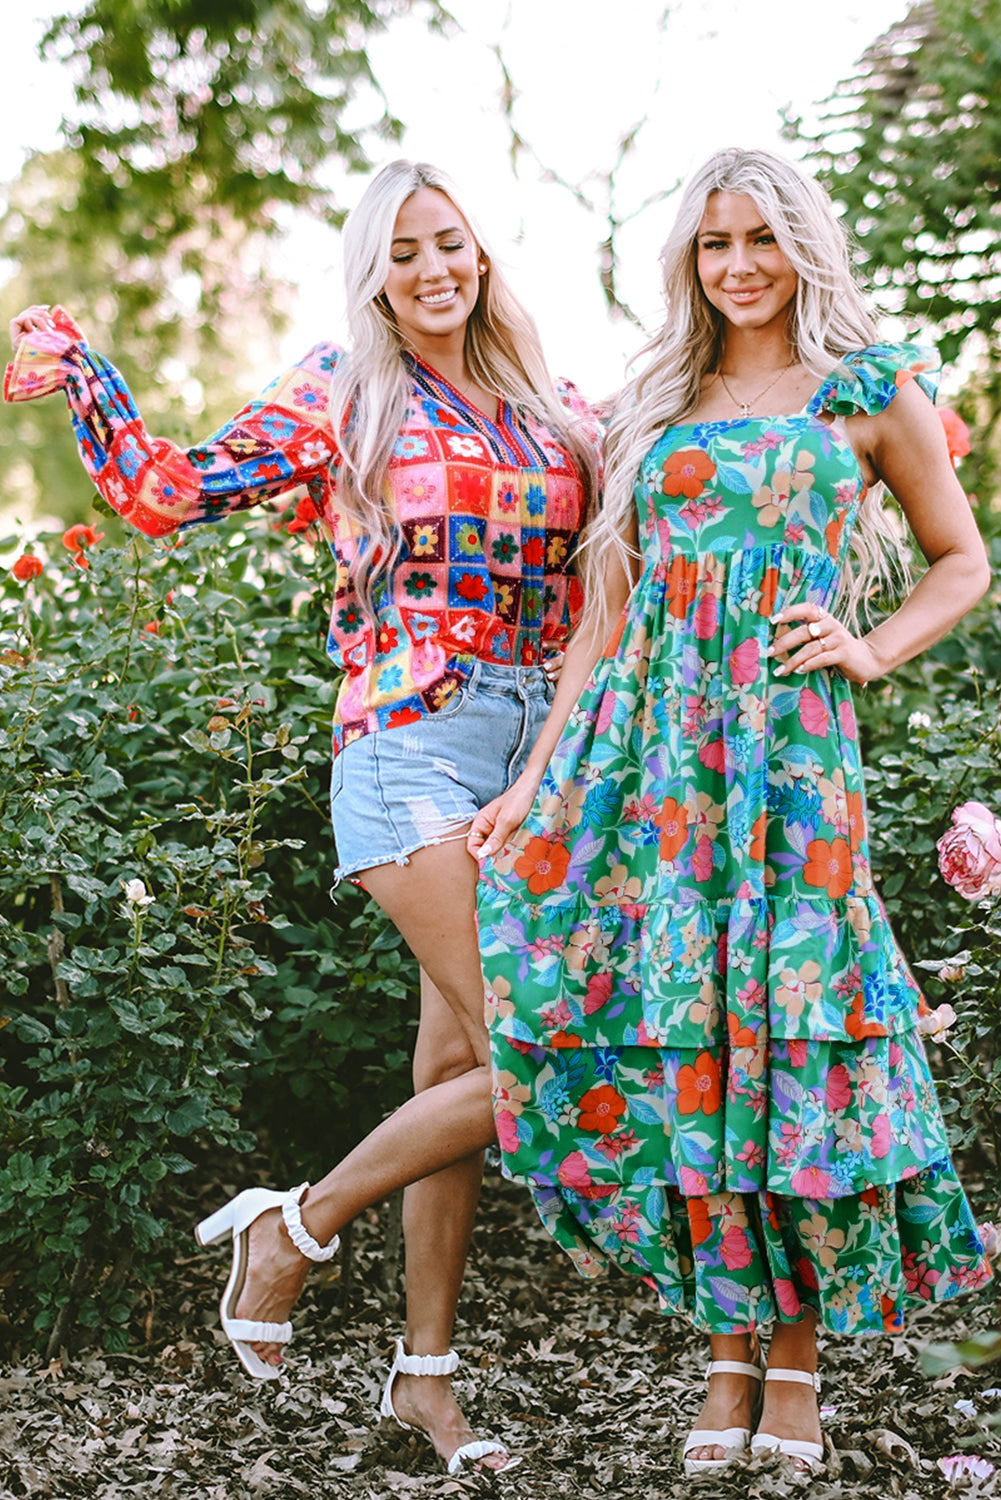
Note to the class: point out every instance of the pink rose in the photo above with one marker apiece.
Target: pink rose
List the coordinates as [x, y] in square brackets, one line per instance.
[969, 853]
[991, 1236]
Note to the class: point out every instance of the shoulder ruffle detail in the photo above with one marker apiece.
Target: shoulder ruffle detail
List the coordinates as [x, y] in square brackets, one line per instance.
[42, 361]
[868, 379]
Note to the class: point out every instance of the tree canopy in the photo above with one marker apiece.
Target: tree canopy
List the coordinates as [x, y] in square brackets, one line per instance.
[911, 146]
[198, 127]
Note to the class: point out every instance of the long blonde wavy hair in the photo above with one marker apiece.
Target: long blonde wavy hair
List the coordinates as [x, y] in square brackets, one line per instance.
[829, 318]
[371, 386]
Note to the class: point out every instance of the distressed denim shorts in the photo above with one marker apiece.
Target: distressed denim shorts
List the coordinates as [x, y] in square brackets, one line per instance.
[395, 791]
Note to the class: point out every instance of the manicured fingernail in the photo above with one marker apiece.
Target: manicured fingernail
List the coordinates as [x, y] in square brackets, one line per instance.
[781, 671]
[770, 651]
[779, 618]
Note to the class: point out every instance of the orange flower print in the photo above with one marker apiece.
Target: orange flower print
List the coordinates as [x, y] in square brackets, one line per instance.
[699, 1223]
[600, 1109]
[856, 1024]
[699, 1086]
[679, 589]
[758, 828]
[565, 1039]
[673, 824]
[829, 866]
[686, 473]
[856, 819]
[543, 864]
[769, 591]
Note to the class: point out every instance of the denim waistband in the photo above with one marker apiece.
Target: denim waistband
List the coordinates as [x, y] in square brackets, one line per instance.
[524, 681]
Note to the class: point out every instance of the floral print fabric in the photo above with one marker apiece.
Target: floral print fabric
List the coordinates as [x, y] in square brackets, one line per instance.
[488, 512]
[702, 1028]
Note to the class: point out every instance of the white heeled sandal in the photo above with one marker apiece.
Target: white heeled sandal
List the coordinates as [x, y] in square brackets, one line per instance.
[435, 1364]
[733, 1439]
[236, 1217]
[807, 1455]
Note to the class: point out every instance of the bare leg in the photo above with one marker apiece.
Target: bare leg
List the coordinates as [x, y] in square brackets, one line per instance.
[790, 1411]
[432, 902]
[731, 1399]
[438, 1214]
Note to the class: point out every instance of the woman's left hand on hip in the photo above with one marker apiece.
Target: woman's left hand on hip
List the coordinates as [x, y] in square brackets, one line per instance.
[809, 638]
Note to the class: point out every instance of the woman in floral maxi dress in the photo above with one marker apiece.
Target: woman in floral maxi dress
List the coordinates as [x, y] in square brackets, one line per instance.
[704, 1037]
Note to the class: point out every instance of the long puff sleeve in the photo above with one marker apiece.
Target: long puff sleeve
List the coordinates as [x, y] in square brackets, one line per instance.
[275, 443]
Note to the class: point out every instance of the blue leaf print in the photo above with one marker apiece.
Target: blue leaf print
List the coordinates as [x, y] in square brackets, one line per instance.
[601, 803]
[734, 479]
[656, 1205]
[644, 1112]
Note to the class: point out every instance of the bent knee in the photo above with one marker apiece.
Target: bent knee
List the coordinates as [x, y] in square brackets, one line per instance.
[443, 1065]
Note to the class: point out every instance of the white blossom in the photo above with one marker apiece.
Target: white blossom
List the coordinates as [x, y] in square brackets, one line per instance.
[135, 893]
[919, 720]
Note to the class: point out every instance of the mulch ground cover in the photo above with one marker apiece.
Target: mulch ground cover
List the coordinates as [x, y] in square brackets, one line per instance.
[587, 1382]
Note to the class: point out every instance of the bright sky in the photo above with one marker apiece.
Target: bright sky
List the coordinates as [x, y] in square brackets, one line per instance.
[701, 73]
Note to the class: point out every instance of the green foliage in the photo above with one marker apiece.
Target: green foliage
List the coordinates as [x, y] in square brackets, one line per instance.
[932, 740]
[165, 721]
[199, 130]
[911, 146]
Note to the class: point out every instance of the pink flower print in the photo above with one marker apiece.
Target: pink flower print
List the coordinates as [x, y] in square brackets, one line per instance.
[575, 1174]
[751, 1154]
[702, 858]
[309, 396]
[736, 1248]
[839, 1088]
[706, 617]
[612, 1146]
[881, 1137]
[920, 1277]
[762, 444]
[813, 714]
[846, 718]
[790, 1142]
[642, 811]
[507, 1131]
[606, 710]
[627, 1223]
[693, 1184]
[713, 755]
[787, 1297]
[599, 991]
[811, 1182]
[794, 533]
[745, 663]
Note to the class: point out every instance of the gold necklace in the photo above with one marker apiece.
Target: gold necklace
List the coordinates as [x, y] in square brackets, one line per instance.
[744, 407]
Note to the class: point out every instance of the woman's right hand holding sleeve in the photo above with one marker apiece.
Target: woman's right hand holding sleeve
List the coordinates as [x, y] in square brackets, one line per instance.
[35, 319]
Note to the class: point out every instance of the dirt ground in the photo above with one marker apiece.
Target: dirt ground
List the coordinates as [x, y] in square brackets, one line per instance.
[587, 1382]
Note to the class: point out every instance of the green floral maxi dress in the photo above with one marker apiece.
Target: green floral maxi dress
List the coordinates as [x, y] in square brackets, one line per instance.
[703, 1033]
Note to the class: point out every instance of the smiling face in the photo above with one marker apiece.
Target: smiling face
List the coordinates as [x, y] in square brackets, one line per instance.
[743, 273]
[434, 276]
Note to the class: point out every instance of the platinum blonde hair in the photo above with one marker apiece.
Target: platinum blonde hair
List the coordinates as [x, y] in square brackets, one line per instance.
[371, 386]
[829, 317]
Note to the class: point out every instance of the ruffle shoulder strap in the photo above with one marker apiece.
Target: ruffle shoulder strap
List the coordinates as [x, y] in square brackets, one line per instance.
[868, 379]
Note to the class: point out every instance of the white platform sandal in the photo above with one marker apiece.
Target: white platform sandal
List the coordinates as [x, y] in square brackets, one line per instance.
[436, 1364]
[236, 1217]
[733, 1439]
[808, 1456]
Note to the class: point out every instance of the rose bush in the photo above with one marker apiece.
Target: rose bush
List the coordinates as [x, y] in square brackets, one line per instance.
[177, 980]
